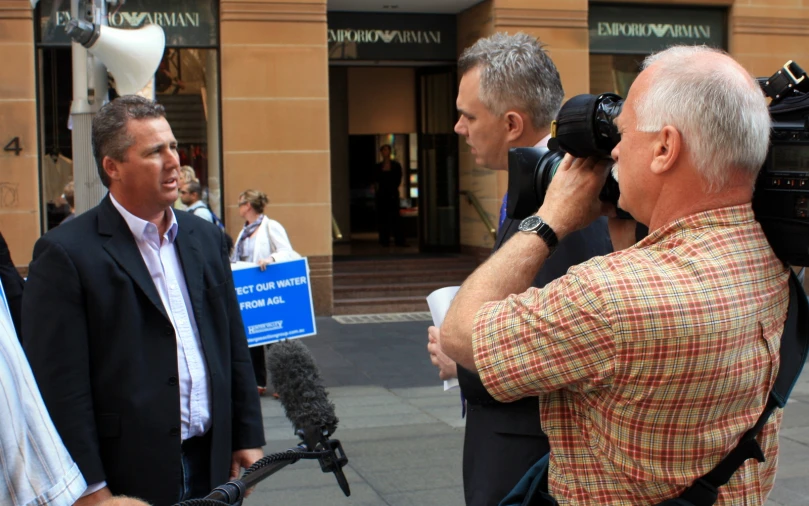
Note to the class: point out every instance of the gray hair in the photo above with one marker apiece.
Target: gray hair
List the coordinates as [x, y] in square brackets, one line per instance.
[515, 72]
[109, 133]
[717, 107]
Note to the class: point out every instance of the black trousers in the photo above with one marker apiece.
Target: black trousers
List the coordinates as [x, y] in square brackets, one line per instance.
[388, 219]
[501, 443]
[257, 356]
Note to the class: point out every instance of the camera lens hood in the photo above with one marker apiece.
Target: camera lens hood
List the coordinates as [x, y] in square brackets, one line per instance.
[579, 128]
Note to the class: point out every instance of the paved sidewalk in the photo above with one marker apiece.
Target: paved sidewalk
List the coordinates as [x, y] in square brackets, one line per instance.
[403, 434]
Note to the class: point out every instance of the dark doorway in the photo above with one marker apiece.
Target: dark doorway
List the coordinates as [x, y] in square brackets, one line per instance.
[361, 162]
[422, 142]
[438, 160]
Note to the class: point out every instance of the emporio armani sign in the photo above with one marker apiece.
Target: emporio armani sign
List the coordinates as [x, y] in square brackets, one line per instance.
[138, 19]
[659, 30]
[366, 36]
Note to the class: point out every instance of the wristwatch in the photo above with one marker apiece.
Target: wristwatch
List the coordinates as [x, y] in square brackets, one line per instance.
[536, 225]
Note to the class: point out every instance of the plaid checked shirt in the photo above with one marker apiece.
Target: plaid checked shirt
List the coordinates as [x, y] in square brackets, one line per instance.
[649, 363]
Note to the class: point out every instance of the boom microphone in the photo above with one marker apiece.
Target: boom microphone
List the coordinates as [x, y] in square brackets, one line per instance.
[300, 388]
[298, 382]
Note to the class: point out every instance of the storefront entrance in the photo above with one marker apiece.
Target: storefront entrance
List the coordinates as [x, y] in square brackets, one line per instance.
[392, 86]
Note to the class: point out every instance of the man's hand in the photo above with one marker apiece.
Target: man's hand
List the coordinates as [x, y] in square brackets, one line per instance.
[123, 501]
[95, 498]
[244, 459]
[571, 202]
[447, 369]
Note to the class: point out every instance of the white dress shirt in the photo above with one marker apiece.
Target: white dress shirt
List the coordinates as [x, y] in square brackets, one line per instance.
[35, 467]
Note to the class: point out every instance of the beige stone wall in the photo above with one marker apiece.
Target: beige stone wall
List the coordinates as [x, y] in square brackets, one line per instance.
[19, 183]
[275, 122]
[764, 34]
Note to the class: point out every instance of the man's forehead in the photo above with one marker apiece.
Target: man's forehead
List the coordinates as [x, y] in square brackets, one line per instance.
[468, 93]
[149, 127]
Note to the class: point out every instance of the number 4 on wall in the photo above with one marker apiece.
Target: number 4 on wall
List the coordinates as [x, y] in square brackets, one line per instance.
[14, 145]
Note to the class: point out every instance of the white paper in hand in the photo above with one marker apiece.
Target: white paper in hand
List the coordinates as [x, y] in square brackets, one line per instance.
[439, 302]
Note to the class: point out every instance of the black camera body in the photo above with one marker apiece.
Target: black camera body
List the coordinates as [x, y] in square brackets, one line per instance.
[584, 127]
[781, 198]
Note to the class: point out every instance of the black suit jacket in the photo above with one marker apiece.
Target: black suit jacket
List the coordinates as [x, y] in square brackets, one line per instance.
[502, 441]
[13, 285]
[104, 352]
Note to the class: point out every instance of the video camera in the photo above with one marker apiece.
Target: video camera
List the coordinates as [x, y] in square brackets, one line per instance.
[585, 127]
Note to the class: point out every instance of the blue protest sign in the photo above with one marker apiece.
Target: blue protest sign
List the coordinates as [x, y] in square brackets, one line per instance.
[276, 304]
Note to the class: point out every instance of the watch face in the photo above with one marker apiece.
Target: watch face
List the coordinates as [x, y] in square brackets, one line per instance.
[530, 224]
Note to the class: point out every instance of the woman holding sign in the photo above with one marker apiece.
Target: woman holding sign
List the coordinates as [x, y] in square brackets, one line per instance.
[262, 241]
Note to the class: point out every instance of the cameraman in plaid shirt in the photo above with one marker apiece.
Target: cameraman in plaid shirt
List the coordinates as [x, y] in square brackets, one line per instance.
[651, 362]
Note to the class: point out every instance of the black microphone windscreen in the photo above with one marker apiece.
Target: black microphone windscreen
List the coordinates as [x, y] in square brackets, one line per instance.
[299, 386]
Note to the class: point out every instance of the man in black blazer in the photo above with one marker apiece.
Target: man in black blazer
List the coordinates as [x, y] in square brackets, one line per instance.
[133, 330]
[509, 93]
[13, 284]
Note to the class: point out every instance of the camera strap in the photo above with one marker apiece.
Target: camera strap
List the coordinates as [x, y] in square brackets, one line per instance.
[789, 79]
[793, 353]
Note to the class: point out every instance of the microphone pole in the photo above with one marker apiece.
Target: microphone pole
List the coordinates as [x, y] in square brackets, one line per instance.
[329, 452]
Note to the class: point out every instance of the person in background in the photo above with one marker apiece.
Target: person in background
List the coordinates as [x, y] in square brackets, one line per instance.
[69, 195]
[262, 241]
[13, 285]
[191, 197]
[388, 177]
[187, 175]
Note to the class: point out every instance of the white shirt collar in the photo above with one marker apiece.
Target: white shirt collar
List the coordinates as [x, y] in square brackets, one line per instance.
[140, 227]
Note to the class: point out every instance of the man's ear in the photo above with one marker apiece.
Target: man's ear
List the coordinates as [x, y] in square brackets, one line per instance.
[110, 166]
[515, 125]
[668, 146]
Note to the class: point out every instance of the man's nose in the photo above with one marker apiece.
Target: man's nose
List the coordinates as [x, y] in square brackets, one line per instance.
[460, 129]
[172, 159]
